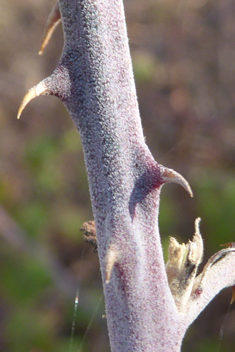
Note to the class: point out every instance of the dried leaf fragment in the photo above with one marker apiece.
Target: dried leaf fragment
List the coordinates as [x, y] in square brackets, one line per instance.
[182, 266]
[89, 233]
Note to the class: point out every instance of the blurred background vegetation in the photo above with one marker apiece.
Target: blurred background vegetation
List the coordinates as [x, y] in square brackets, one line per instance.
[183, 54]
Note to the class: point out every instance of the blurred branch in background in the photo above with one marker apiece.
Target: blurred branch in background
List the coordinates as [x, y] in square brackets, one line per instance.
[15, 238]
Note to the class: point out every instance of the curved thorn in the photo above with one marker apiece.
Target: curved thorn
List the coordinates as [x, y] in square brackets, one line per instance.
[36, 91]
[52, 22]
[110, 261]
[229, 244]
[170, 175]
